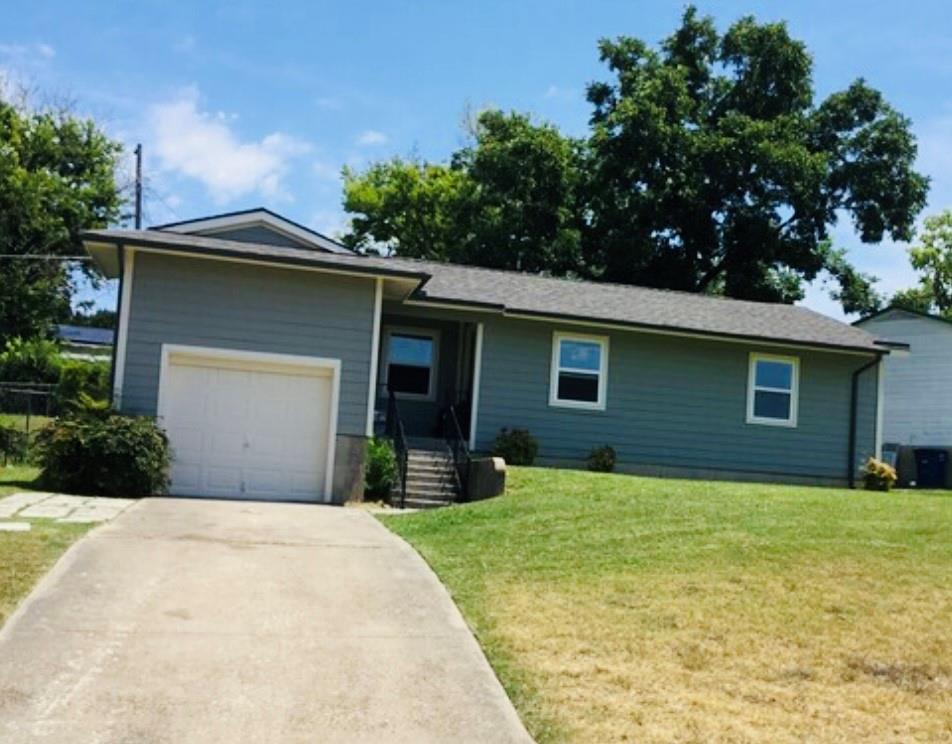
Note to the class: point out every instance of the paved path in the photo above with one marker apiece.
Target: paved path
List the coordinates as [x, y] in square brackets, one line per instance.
[62, 508]
[212, 621]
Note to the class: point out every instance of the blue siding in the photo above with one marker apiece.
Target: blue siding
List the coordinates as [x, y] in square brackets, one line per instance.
[252, 308]
[673, 403]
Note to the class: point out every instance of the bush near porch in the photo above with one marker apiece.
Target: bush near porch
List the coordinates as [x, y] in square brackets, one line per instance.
[617, 608]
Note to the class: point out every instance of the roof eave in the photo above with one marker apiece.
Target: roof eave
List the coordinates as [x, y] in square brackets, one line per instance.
[94, 241]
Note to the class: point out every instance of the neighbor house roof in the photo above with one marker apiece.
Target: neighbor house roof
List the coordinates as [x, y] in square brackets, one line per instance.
[896, 309]
[85, 335]
[530, 295]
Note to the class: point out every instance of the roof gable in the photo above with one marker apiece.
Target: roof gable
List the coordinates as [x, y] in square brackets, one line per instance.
[256, 226]
[901, 313]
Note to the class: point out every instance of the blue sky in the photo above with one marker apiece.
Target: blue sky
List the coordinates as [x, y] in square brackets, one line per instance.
[243, 104]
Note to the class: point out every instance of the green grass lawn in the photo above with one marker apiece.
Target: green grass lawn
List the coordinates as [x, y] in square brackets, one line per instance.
[26, 556]
[617, 608]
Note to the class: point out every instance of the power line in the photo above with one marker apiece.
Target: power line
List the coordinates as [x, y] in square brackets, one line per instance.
[44, 257]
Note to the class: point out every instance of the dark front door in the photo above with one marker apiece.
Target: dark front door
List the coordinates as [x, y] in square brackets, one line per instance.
[930, 464]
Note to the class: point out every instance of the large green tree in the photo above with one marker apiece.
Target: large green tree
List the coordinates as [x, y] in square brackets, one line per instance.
[709, 167]
[507, 200]
[57, 178]
[712, 168]
[932, 259]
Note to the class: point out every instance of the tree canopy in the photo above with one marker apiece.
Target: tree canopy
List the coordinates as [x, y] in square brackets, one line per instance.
[506, 201]
[57, 178]
[708, 167]
[932, 258]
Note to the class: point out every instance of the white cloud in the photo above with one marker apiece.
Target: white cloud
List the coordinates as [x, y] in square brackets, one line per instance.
[203, 146]
[23, 52]
[371, 137]
[331, 223]
[555, 92]
[326, 170]
[329, 103]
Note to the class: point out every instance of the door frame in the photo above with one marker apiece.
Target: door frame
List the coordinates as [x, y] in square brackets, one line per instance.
[263, 362]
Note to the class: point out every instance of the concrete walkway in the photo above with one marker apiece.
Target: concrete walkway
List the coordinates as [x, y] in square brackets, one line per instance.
[212, 621]
[62, 508]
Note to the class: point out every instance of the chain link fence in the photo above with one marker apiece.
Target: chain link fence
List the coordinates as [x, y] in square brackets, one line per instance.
[25, 408]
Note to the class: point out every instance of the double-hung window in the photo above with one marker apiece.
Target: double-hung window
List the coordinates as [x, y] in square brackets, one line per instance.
[579, 376]
[772, 390]
[410, 369]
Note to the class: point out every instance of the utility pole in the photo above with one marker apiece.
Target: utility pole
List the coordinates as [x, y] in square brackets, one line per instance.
[138, 152]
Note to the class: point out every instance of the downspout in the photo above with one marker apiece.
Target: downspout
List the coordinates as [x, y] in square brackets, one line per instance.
[854, 396]
[121, 249]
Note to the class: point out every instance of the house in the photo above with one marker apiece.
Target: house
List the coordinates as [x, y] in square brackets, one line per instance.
[917, 397]
[85, 342]
[267, 352]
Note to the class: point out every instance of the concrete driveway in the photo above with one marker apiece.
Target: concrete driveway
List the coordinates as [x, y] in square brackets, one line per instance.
[213, 621]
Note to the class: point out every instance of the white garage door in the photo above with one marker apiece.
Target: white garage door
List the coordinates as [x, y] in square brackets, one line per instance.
[247, 429]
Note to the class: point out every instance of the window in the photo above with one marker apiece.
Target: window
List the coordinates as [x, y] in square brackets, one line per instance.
[411, 363]
[772, 390]
[579, 371]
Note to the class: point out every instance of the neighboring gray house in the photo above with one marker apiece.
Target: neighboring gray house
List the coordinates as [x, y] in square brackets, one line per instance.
[266, 350]
[85, 342]
[917, 397]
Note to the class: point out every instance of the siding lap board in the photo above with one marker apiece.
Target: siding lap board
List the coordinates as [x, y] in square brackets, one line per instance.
[219, 304]
[673, 402]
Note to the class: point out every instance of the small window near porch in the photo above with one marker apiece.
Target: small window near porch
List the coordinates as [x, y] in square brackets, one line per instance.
[411, 357]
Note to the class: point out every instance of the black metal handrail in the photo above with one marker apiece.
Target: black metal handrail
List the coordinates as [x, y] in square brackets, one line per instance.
[397, 434]
[453, 434]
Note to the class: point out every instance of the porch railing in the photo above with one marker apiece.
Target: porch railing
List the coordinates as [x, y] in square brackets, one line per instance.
[395, 431]
[453, 433]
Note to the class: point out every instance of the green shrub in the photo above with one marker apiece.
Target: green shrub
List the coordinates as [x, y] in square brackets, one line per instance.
[96, 451]
[878, 475]
[516, 446]
[13, 444]
[78, 378]
[602, 459]
[380, 470]
[35, 360]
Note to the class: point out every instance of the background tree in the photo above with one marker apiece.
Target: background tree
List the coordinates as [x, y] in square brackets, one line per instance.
[708, 168]
[57, 178]
[932, 258]
[508, 200]
[712, 170]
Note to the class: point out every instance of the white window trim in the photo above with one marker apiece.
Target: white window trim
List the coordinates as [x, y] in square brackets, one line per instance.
[557, 338]
[432, 333]
[794, 390]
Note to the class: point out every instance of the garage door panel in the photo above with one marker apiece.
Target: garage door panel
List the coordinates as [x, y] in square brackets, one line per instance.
[247, 433]
[222, 479]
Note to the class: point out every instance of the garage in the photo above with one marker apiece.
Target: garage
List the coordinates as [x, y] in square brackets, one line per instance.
[248, 425]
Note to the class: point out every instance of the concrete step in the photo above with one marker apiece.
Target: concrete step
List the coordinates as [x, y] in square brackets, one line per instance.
[431, 479]
[418, 503]
[421, 456]
[436, 492]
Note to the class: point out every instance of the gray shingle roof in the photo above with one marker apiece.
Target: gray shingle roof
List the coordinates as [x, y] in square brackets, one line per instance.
[638, 306]
[528, 294]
